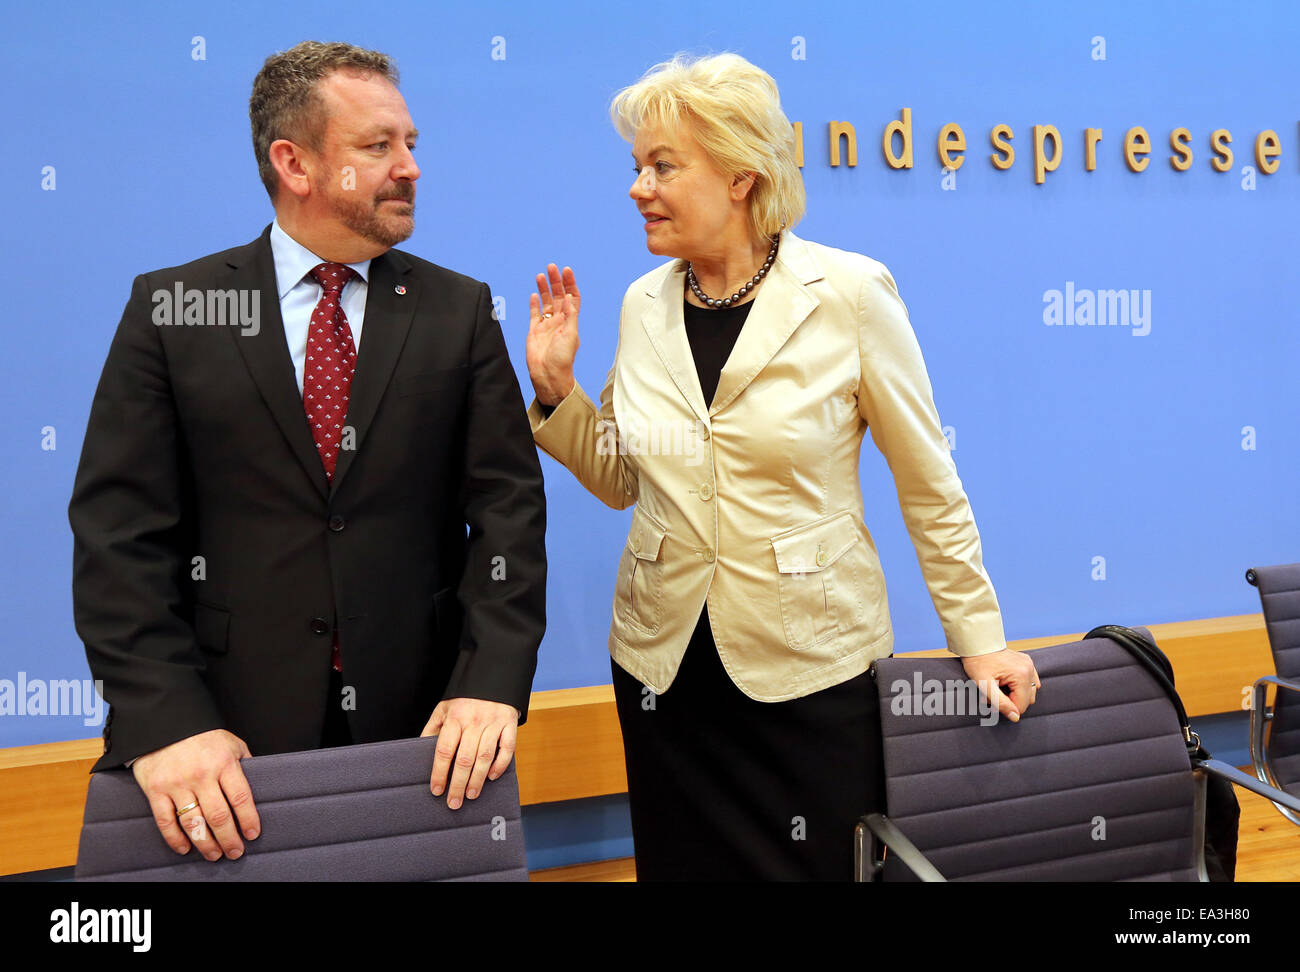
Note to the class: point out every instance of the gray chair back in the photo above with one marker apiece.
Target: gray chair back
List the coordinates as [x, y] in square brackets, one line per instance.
[357, 813]
[1093, 783]
[1279, 595]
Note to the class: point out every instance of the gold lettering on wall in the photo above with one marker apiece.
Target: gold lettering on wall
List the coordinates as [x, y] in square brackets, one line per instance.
[1091, 136]
[903, 127]
[1136, 143]
[1001, 137]
[896, 145]
[843, 130]
[952, 139]
[1179, 141]
[1043, 163]
[1219, 140]
[1267, 151]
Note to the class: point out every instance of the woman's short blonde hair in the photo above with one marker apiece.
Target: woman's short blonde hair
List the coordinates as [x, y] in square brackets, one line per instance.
[735, 111]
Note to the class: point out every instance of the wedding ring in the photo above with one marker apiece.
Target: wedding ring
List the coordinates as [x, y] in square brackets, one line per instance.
[547, 316]
[187, 808]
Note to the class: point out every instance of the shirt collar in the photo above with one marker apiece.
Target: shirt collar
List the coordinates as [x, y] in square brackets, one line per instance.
[293, 261]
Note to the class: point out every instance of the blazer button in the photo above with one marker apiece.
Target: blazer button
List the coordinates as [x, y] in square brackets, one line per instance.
[821, 556]
[707, 554]
[320, 626]
[704, 432]
[636, 545]
[337, 523]
[706, 492]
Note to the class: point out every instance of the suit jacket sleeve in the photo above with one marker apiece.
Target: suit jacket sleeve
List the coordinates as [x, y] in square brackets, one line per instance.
[584, 438]
[131, 552]
[897, 401]
[503, 590]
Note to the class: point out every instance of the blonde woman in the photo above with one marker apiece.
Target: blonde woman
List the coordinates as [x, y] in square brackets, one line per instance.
[750, 602]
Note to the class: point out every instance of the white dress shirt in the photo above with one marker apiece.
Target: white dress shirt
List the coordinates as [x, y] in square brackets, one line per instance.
[299, 295]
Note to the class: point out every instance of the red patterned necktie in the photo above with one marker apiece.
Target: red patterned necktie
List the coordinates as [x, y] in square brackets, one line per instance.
[327, 374]
[331, 360]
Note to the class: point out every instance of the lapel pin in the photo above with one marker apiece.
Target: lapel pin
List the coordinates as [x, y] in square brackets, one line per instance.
[399, 289]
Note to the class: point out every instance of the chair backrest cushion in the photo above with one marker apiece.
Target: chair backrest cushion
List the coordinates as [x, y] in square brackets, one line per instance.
[1092, 784]
[357, 813]
[1279, 594]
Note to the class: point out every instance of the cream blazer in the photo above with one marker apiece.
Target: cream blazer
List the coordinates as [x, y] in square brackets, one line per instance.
[753, 503]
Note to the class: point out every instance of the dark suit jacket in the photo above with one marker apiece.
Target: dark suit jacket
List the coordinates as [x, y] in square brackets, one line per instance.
[428, 547]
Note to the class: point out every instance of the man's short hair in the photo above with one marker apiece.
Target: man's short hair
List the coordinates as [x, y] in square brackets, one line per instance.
[286, 100]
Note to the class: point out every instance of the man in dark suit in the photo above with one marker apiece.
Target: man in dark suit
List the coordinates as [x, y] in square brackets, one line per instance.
[309, 510]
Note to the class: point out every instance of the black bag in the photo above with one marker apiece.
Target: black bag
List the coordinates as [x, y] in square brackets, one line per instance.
[1222, 811]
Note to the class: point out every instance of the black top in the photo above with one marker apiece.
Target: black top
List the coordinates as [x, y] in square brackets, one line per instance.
[712, 333]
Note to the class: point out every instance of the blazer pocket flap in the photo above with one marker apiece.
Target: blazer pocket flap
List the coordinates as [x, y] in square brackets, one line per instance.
[808, 549]
[212, 628]
[646, 536]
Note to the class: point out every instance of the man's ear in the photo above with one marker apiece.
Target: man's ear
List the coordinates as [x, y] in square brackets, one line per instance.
[288, 160]
[741, 185]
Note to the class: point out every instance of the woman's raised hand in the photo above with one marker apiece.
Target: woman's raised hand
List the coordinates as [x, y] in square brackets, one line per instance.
[553, 334]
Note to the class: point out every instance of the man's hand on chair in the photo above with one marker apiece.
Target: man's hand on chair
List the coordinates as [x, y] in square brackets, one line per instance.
[476, 735]
[199, 795]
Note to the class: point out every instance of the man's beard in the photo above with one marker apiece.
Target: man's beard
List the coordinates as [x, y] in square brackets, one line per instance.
[367, 221]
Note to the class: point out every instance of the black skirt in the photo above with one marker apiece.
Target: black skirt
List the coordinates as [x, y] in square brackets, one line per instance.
[724, 788]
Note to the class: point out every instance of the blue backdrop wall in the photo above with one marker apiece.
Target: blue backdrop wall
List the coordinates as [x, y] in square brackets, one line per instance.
[1166, 445]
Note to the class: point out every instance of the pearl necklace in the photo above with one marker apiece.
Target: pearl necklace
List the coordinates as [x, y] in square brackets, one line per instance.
[736, 297]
